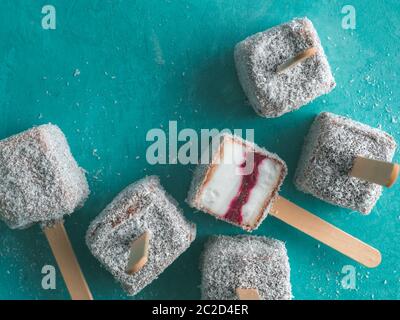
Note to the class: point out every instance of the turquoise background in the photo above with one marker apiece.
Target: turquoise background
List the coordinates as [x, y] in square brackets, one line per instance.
[144, 63]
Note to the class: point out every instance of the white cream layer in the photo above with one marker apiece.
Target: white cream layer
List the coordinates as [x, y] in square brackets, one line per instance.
[224, 184]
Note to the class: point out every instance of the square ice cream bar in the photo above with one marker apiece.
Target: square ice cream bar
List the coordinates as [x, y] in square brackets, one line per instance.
[245, 262]
[39, 179]
[239, 184]
[283, 68]
[328, 155]
[142, 207]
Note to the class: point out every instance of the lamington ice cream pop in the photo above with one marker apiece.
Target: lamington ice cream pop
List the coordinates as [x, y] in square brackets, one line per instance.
[240, 185]
[246, 268]
[346, 163]
[283, 68]
[224, 190]
[139, 234]
[40, 182]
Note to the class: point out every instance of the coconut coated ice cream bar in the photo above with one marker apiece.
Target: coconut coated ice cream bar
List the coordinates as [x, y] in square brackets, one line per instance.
[40, 182]
[240, 185]
[283, 68]
[224, 190]
[345, 162]
[246, 268]
[139, 234]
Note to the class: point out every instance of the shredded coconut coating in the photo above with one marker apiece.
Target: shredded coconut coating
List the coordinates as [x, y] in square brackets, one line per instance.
[202, 172]
[257, 57]
[142, 206]
[328, 154]
[251, 262]
[40, 180]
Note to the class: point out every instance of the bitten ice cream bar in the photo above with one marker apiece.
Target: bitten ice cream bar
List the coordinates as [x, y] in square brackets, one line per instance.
[40, 182]
[240, 185]
[139, 234]
[246, 268]
[224, 189]
[346, 163]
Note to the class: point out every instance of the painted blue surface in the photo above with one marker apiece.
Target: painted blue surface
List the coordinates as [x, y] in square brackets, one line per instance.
[145, 63]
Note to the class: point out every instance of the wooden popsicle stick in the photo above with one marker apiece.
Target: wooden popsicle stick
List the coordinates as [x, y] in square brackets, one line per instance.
[375, 171]
[247, 294]
[325, 232]
[67, 262]
[296, 60]
[138, 256]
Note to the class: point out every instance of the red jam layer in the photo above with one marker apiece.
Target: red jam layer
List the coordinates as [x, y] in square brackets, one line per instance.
[249, 181]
